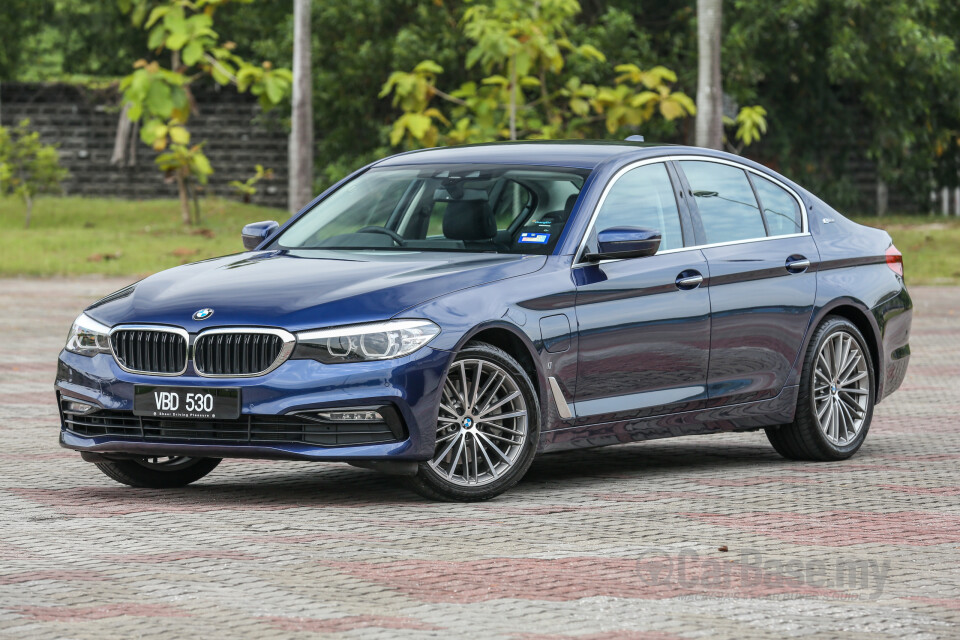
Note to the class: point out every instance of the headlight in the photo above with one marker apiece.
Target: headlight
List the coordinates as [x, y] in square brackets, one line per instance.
[361, 342]
[88, 337]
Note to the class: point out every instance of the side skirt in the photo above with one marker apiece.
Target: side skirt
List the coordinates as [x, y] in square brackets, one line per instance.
[737, 417]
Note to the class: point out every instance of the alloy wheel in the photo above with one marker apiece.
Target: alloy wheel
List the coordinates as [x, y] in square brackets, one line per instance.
[482, 426]
[841, 388]
[165, 463]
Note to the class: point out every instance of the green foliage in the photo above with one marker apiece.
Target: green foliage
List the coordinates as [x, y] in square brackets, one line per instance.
[879, 78]
[160, 96]
[248, 188]
[185, 162]
[27, 166]
[839, 79]
[523, 48]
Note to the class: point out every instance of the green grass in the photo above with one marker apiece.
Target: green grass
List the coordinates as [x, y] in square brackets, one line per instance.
[74, 236]
[930, 246]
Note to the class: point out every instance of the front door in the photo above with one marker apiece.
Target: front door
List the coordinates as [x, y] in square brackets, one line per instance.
[644, 323]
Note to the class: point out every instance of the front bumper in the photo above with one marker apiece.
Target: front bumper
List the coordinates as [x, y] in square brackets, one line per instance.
[410, 385]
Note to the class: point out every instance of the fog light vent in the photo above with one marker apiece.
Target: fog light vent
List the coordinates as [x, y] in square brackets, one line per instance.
[350, 416]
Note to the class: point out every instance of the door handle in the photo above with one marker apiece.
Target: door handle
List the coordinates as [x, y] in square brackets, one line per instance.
[689, 279]
[797, 264]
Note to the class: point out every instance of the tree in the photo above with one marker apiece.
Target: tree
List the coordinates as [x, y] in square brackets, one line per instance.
[709, 80]
[161, 96]
[301, 120]
[876, 79]
[27, 166]
[523, 48]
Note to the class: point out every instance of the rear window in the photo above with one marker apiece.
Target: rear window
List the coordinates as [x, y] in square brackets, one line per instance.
[780, 208]
[728, 209]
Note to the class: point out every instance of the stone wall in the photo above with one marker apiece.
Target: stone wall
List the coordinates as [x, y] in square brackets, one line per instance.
[83, 122]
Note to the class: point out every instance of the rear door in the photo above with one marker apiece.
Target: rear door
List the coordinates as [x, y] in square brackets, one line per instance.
[762, 282]
[644, 323]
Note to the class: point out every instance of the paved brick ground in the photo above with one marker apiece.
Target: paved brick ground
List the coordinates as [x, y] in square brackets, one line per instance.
[610, 543]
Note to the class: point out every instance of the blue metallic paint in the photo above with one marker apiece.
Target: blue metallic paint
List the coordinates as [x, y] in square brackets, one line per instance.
[624, 317]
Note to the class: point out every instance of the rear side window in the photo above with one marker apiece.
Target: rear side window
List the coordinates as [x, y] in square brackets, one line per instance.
[779, 208]
[728, 208]
[643, 197]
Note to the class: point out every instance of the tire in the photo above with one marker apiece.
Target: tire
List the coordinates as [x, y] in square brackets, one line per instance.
[832, 418]
[466, 466]
[158, 473]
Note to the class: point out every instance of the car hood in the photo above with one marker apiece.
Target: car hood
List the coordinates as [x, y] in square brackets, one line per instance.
[299, 290]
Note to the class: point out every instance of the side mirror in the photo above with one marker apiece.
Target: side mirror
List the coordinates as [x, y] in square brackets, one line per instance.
[256, 232]
[619, 243]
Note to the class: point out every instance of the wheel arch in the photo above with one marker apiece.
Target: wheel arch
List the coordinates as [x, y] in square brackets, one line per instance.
[864, 321]
[511, 339]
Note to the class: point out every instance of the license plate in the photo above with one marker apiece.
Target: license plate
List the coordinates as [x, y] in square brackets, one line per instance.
[186, 402]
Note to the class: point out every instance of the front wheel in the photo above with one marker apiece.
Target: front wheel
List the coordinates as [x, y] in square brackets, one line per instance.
[487, 429]
[158, 472]
[836, 398]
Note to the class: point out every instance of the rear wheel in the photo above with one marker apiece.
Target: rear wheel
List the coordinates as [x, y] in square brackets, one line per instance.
[836, 398]
[487, 428]
[158, 472]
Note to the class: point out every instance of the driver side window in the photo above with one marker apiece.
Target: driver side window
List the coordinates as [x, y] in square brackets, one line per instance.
[643, 197]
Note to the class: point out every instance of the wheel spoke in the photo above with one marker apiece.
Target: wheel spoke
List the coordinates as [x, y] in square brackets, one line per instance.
[448, 436]
[463, 384]
[849, 381]
[504, 416]
[495, 448]
[499, 404]
[500, 438]
[447, 450]
[476, 465]
[493, 379]
[822, 411]
[849, 367]
[476, 385]
[448, 409]
[855, 391]
[456, 458]
[490, 465]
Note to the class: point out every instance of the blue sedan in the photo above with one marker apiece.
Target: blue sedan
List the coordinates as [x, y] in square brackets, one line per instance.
[446, 315]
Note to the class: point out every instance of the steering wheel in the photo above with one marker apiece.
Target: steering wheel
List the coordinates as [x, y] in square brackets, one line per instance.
[396, 237]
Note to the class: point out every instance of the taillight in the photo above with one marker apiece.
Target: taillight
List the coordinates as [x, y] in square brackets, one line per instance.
[895, 260]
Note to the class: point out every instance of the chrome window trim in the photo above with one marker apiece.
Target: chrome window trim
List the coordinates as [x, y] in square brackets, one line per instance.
[289, 342]
[578, 255]
[151, 327]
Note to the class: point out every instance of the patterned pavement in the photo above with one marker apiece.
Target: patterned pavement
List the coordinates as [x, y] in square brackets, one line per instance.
[698, 537]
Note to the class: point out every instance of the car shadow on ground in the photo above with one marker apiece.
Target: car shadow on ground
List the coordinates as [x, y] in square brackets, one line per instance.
[283, 485]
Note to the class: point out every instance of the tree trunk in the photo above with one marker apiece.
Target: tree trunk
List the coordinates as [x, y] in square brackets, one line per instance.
[513, 98]
[300, 184]
[194, 192]
[709, 82]
[184, 199]
[29, 202]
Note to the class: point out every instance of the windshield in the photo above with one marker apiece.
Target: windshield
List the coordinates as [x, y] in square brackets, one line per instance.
[469, 207]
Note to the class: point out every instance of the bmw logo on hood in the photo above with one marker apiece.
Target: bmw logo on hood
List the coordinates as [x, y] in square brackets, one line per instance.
[203, 314]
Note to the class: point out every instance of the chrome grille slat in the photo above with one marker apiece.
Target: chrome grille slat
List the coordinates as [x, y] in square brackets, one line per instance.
[156, 351]
[239, 352]
[228, 352]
